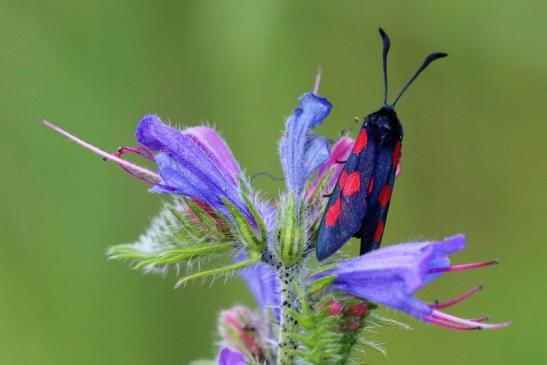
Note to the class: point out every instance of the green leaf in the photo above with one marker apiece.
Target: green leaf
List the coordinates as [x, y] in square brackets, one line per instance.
[181, 232]
[218, 271]
[184, 254]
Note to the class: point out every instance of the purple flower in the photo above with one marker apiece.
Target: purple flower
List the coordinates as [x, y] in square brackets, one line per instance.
[302, 152]
[195, 162]
[391, 276]
[230, 357]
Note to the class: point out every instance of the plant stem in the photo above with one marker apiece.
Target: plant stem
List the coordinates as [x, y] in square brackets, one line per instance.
[286, 345]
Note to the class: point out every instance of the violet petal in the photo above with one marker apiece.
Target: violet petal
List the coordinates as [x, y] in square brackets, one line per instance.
[229, 357]
[301, 152]
[391, 275]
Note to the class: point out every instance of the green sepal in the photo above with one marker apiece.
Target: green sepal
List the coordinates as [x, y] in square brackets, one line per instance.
[187, 226]
[317, 195]
[245, 229]
[126, 251]
[218, 271]
[209, 223]
[320, 284]
[256, 216]
[290, 232]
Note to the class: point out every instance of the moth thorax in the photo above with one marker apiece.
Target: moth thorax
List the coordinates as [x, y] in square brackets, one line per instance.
[384, 126]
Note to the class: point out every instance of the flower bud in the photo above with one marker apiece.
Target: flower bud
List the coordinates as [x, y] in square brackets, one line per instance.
[290, 232]
[238, 327]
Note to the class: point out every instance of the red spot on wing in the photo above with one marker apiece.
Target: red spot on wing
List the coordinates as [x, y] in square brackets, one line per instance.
[333, 213]
[350, 184]
[371, 185]
[342, 179]
[385, 195]
[379, 231]
[361, 142]
[396, 155]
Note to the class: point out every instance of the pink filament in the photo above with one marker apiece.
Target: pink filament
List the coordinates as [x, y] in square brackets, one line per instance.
[317, 80]
[106, 155]
[480, 319]
[143, 152]
[458, 299]
[474, 265]
[449, 325]
[467, 322]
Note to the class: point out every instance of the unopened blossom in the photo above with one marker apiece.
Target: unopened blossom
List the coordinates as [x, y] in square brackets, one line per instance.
[240, 329]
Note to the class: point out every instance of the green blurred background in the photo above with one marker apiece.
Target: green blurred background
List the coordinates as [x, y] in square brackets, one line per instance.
[474, 161]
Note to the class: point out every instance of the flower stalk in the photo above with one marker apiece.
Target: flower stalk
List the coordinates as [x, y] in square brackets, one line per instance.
[287, 346]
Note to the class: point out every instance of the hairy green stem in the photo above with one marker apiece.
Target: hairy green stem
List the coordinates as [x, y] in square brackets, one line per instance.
[287, 346]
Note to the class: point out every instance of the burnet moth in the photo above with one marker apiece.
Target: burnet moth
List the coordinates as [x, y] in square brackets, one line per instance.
[359, 203]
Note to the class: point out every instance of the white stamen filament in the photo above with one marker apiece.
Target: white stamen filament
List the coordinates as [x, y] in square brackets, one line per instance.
[317, 80]
[467, 322]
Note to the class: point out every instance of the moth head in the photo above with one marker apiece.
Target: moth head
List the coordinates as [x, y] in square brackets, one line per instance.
[384, 125]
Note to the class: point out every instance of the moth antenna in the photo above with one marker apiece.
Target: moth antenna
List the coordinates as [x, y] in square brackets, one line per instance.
[432, 57]
[387, 43]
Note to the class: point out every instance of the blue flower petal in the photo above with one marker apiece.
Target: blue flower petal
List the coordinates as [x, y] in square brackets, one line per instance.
[300, 151]
[230, 357]
[195, 162]
[391, 275]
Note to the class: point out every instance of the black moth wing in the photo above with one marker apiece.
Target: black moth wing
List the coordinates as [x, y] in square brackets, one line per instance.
[344, 213]
[378, 199]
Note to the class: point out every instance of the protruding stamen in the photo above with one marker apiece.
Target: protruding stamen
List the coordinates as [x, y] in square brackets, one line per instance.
[140, 177]
[480, 319]
[450, 325]
[458, 299]
[317, 80]
[467, 322]
[102, 153]
[143, 152]
[474, 265]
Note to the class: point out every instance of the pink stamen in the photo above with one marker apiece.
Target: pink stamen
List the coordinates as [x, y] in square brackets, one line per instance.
[140, 177]
[458, 299]
[481, 319]
[467, 322]
[141, 151]
[474, 265]
[450, 325]
[98, 151]
[317, 80]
